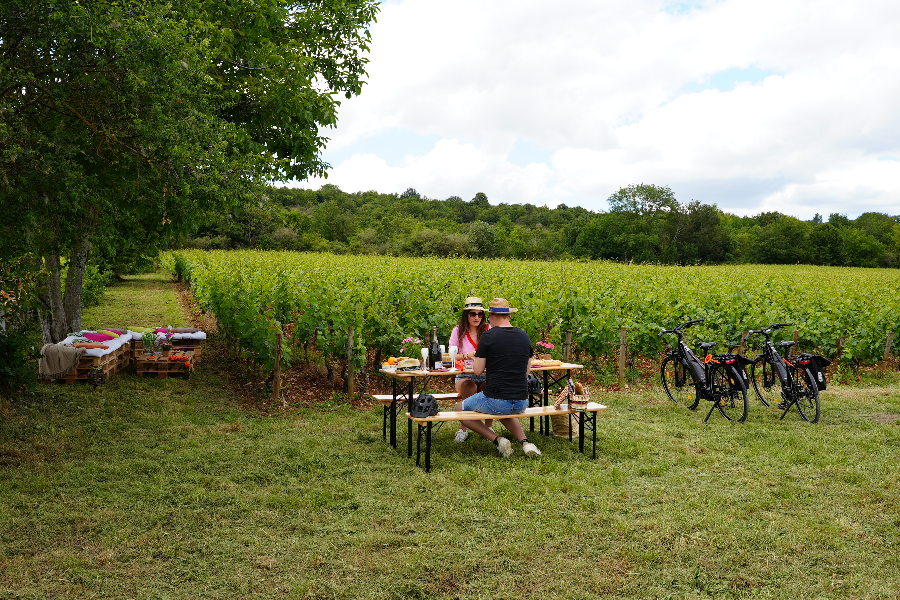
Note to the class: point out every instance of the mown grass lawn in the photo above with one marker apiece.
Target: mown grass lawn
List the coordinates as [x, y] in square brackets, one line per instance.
[153, 488]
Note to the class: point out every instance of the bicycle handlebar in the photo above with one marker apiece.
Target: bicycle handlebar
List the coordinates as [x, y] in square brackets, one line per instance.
[677, 330]
[769, 329]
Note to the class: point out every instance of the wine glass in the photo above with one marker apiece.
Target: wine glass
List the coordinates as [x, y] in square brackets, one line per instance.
[424, 359]
[453, 351]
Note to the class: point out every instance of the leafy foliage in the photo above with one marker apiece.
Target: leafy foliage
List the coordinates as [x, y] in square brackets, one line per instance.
[645, 224]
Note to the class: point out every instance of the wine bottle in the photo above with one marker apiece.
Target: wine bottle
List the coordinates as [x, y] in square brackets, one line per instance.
[437, 359]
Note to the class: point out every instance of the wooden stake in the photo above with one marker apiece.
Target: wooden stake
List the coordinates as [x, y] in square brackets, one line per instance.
[567, 346]
[795, 338]
[840, 347]
[276, 383]
[741, 347]
[888, 344]
[623, 344]
[350, 384]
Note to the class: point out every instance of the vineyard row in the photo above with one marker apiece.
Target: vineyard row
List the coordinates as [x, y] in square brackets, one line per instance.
[315, 298]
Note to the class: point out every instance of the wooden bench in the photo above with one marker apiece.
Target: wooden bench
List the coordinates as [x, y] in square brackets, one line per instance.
[587, 417]
[389, 412]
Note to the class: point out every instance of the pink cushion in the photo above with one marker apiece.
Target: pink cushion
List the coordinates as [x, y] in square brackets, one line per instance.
[97, 337]
[162, 330]
[119, 331]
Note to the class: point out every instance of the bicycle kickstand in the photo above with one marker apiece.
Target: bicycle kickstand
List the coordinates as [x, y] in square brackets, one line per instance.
[787, 408]
[715, 404]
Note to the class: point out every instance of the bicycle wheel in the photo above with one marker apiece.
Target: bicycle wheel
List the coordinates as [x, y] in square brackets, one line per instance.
[766, 382]
[808, 400]
[731, 394]
[678, 382]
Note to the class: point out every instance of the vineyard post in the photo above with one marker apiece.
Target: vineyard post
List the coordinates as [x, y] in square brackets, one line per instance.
[741, 347]
[795, 338]
[567, 346]
[623, 342]
[888, 344]
[840, 347]
[276, 383]
[350, 384]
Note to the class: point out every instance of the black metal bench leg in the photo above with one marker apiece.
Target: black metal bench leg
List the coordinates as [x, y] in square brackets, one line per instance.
[394, 424]
[428, 449]
[594, 421]
[418, 443]
[384, 420]
[581, 432]
[409, 426]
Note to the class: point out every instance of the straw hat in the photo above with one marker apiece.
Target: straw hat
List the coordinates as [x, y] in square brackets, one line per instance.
[501, 306]
[473, 302]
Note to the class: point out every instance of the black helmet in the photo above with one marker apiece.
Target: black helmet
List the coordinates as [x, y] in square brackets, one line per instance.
[534, 384]
[424, 406]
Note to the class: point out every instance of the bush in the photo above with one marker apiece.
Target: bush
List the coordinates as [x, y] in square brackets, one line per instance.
[95, 283]
[17, 368]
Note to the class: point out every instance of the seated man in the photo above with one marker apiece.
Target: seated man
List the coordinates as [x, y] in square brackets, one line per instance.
[505, 352]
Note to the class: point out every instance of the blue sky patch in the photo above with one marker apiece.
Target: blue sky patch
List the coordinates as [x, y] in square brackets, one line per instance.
[726, 80]
[680, 7]
[392, 146]
[524, 153]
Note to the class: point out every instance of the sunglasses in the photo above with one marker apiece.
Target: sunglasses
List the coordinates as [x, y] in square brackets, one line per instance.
[479, 315]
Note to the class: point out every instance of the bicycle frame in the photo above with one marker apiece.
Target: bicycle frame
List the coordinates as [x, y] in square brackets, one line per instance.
[707, 384]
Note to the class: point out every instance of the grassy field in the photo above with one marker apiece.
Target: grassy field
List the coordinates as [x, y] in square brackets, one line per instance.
[172, 489]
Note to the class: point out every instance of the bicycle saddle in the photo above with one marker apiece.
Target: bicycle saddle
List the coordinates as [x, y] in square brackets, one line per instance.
[785, 343]
[707, 345]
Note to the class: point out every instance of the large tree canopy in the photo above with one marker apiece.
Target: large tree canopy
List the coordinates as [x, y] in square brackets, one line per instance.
[133, 120]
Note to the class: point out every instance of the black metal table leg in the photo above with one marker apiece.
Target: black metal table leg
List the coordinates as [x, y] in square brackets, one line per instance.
[594, 422]
[409, 423]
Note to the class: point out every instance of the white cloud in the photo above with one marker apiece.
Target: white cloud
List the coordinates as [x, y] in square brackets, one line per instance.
[602, 87]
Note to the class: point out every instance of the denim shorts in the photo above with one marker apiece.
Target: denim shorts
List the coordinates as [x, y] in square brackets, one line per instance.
[492, 406]
[478, 379]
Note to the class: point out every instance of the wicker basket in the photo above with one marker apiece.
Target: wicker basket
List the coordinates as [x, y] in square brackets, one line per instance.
[579, 401]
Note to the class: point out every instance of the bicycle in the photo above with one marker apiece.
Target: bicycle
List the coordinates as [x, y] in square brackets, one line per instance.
[776, 380]
[721, 379]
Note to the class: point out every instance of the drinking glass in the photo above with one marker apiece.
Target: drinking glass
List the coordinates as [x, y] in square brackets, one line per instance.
[424, 359]
[453, 351]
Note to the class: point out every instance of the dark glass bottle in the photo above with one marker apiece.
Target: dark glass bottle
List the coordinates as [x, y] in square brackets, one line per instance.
[437, 359]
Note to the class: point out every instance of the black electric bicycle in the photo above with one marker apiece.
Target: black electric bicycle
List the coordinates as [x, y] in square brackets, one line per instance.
[787, 381]
[721, 379]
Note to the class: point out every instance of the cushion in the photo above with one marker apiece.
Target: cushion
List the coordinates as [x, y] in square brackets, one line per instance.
[136, 329]
[97, 337]
[111, 330]
[185, 330]
[115, 334]
[84, 345]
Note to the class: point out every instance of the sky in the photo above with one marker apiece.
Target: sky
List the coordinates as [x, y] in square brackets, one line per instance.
[751, 105]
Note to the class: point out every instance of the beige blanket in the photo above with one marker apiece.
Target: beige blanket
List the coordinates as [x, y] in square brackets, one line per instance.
[57, 360]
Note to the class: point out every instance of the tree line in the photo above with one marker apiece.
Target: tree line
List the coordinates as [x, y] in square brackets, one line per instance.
[644, 224]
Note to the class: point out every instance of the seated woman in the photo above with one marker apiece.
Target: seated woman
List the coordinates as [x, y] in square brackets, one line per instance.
[465, 337]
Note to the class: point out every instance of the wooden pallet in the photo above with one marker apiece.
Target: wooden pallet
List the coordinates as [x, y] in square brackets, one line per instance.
[137, 349]
[110, 364]
[163, 368]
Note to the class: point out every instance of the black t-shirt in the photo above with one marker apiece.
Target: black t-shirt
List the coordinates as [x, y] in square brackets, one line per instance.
[507, 350]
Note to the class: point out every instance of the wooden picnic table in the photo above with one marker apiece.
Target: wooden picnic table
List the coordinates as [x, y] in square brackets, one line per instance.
[418, 379]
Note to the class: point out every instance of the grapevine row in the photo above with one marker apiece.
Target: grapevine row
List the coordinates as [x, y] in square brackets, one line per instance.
[387, 298]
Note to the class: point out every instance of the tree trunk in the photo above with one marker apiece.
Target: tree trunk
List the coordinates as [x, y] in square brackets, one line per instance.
[61, 315]
[75, 283]
[49, 292]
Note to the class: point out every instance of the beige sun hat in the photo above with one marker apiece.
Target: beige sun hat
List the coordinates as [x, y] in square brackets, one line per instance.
[408, 362]
[501, 306]
[473, 302]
